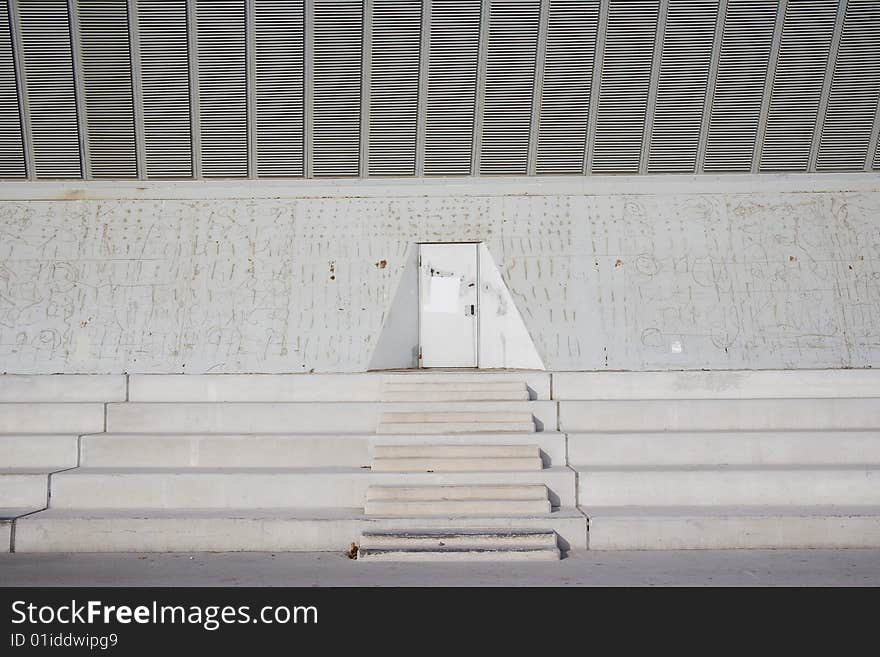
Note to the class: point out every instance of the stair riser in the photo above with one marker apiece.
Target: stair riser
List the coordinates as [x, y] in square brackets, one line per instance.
[40, 452]
[454, 416]
[456, 507]
[463, 386]
[399, 543]
[162, 450]
[455, 451]
[492, 555]
[718, 487]
[302, 417]
[22, 388]
[717, 385]
[453, 395]
[721, 533]
[255, 490]
[23, 490]
[551, 445]
[185, 534]
[73, 418]
[255, 387]
[537, 382]
[733, 448]
[460, 492]
[719, 415]
[38, 533]
[221, 451]
[456, 464]
[453, 427]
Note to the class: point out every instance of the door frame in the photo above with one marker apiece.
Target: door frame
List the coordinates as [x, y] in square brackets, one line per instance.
[476, 244]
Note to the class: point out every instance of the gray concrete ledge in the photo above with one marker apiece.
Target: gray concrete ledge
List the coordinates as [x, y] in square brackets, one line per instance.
[78, 190]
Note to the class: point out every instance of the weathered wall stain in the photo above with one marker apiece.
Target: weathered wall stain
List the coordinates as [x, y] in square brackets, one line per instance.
[602, 282]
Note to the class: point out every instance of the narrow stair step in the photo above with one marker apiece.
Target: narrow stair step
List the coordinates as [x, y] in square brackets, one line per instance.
[460, 554]
[459, 492]
[431, 450]
[467, 507]
[456, 416]
[452, 538]
[455, 427]
[462, 464]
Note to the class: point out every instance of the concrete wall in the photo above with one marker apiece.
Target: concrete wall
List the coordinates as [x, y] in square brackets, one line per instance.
[646, 273]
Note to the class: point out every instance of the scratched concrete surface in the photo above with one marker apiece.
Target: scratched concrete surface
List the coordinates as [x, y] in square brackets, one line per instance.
[642, 282]
[580, 568]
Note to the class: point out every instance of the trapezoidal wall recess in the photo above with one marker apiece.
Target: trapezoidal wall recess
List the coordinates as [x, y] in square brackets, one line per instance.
[503, 339]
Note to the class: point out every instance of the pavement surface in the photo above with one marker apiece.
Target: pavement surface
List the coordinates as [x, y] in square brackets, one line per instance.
[585, 568]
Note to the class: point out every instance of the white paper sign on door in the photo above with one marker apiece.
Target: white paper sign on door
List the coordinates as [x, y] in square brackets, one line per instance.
[443, 294]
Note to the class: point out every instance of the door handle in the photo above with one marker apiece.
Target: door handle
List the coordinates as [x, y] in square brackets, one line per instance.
[472, 310]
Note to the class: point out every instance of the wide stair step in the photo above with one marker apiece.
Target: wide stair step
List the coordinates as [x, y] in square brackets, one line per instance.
[680, 448]
[732, 527]
[459, 545]
[729, 485]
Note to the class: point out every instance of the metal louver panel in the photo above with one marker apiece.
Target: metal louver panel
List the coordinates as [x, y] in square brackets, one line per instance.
[739, 85]
[338, 40]
[797, 84]
[165, 87]
[48, 60]
[11, 144]
[855, 85]
[623, 88]
[394, 87]
[106, 64]
[452, 86]
[681, 87]
[876, 163]
[222, 88]
[510, 80]
[568, 78]
[280, 78]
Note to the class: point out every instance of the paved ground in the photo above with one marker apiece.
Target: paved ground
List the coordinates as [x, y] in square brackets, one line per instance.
[692, 568]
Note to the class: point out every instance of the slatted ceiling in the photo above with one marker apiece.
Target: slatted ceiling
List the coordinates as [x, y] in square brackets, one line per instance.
[510, 81]
[45, 35]
[739, 85]
[106, 64]
[685, 58]
[452, 83]
[222, 88]
[855, 86]
[164, 54]
[394, 86]
[623, 88]
[280, 80]
[336, 122]
[797, 84]
[11, 145]
[565, 97]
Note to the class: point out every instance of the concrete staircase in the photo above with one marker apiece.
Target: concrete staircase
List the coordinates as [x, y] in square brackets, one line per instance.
[759, 460]
[651, 460]
[41, 418]
[260, 462]
[520, 501]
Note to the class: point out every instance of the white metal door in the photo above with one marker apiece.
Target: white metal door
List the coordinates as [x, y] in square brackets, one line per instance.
[448, 305]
